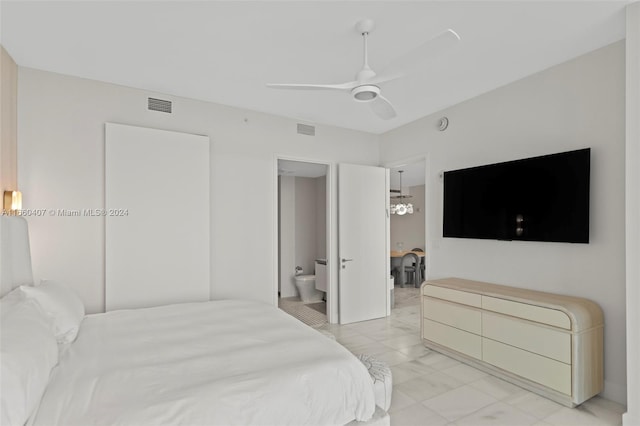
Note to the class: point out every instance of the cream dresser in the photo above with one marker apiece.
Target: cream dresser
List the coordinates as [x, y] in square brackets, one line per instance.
[547, 343]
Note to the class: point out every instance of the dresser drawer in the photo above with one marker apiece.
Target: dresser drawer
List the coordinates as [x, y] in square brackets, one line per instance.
[536, 368]
[458, 340]
[532, 337]
[458, 316]
[456, 296]
[539, 314]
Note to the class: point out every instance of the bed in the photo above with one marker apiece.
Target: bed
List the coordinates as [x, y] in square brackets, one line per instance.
[227, 362]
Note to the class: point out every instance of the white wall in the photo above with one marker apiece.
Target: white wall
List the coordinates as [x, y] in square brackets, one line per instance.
[287, 230]
[409, 229]
[8, 122]
[321, 217]
[305, 222]
[632, 168]
[61, 165]
[580, 103]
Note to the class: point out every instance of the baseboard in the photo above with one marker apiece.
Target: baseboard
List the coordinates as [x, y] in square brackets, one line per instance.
[614, 392]
[629, 420]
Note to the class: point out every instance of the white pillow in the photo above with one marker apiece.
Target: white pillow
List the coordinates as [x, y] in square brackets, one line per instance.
[11, 299]
[62, 304]
[28, 353]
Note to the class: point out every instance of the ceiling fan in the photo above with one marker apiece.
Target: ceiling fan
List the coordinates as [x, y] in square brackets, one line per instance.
[366, 86]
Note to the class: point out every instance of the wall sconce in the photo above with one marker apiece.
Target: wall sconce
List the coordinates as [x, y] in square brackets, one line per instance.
[12, 201]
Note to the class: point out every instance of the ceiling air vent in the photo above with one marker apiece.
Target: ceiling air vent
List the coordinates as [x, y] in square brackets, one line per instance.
[159, 105]
[305, 129]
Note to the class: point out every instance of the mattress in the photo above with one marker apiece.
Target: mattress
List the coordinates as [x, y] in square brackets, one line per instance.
[216, 363]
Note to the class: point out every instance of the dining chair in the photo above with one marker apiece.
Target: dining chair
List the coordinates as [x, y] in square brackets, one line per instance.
[398, 271]
[423, 267]
[409, 268]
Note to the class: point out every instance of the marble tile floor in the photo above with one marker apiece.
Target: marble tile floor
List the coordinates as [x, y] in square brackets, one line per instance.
[432, 389]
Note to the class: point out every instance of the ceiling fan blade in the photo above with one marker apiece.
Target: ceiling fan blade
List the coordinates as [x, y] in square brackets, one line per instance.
[383, 78]
[343, 86]
[383, 108]
[422, 55]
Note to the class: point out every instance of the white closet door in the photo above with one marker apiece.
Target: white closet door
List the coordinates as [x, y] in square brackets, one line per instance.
[157, 217]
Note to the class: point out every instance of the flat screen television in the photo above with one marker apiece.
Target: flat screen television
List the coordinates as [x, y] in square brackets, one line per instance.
[535, 199]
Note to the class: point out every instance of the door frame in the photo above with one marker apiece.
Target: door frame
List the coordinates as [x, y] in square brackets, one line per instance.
[429, 236]
[332, 293]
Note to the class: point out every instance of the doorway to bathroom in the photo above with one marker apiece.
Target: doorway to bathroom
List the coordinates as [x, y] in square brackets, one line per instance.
[303, 204]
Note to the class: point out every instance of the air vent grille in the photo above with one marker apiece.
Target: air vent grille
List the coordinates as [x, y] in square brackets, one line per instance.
[305, 129]
[159, 105]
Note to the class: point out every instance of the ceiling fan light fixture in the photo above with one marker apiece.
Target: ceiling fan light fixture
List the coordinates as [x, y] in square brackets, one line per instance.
[365, 93]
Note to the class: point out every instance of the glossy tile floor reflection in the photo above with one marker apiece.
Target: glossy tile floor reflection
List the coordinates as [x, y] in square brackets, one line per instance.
[432, 389]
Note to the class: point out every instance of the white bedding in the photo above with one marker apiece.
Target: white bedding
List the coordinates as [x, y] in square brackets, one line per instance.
[213, 363]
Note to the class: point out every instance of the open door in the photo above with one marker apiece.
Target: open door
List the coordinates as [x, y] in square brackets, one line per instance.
[363, 229]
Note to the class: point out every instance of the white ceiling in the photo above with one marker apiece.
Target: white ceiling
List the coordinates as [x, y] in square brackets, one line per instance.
[225, 52]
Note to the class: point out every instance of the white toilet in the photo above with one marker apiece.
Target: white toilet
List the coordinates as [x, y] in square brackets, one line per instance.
[306, 285]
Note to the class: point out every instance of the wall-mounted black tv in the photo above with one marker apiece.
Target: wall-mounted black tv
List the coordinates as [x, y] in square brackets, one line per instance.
[536, 199]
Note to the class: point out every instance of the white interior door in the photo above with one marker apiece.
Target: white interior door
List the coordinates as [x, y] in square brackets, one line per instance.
[157, 239]
[363, 229]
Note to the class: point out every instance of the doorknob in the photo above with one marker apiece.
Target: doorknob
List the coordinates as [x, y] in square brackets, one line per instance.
[345, 261]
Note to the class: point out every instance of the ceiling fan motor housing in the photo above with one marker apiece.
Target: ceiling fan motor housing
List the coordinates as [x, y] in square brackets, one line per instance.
[365, 93]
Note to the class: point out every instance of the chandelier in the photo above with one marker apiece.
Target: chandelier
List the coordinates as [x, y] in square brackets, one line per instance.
[402, 207]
